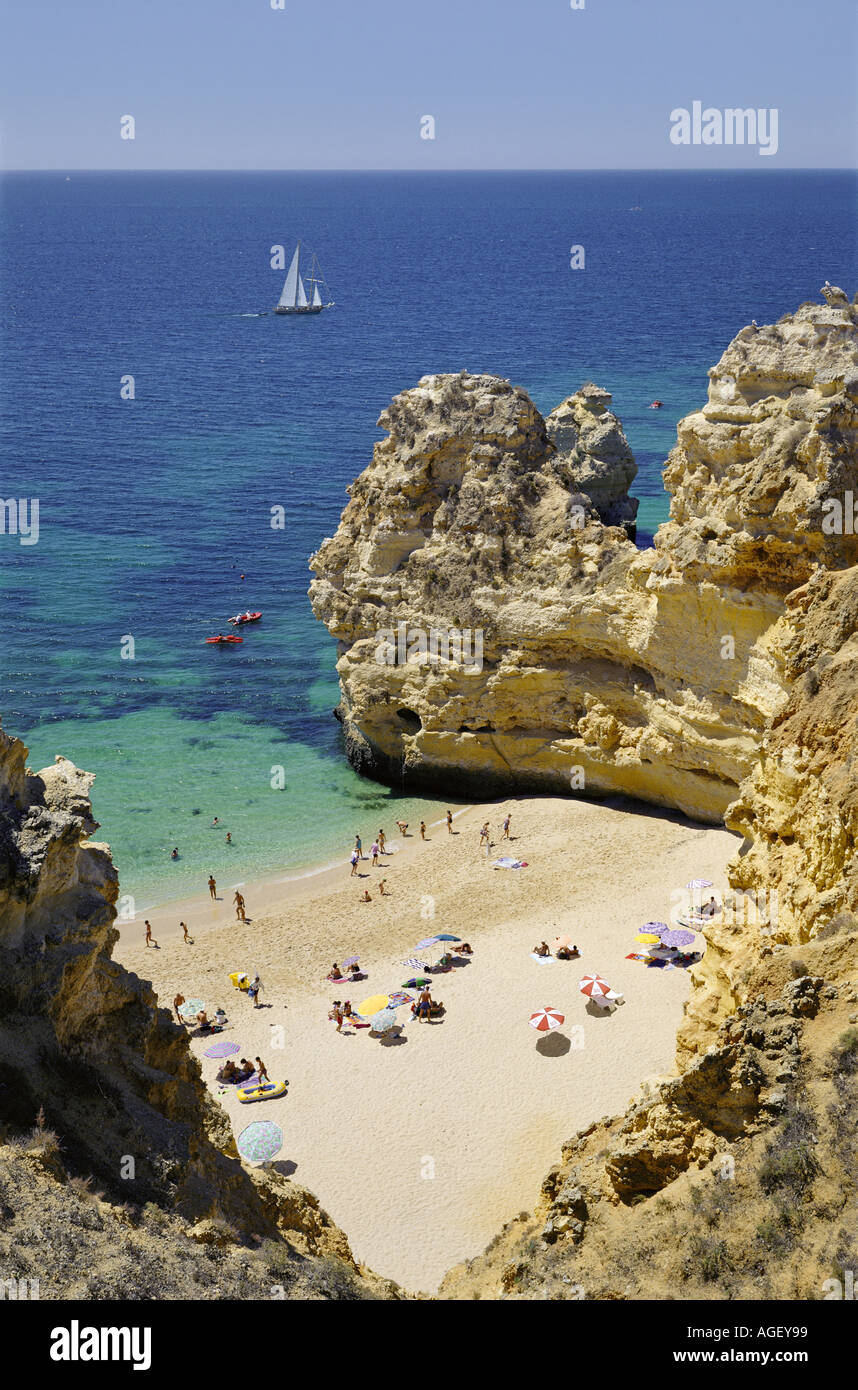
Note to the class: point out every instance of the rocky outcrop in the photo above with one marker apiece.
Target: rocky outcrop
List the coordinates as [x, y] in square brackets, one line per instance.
[593, 457]
[87, 1055]
[495, 636]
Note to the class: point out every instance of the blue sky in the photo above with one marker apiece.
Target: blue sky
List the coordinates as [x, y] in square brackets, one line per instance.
[342, 84]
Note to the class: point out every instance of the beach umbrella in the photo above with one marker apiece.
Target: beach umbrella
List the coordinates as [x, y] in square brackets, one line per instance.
[192, 1007]
[647, 937]
[594, 987]
[677, 938]
[222, 1049]
[399, 998]
[373, 1004]
[446, 936]
[655, 926]
[426, 942]
[416, 982]
[352, 960]
[414, 964]
[546, 1019]
[260, 1141]
[560, 941]
[384, 1021]
[699, 883]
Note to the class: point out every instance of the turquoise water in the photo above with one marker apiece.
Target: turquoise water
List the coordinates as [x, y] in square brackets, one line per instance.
[152, 509]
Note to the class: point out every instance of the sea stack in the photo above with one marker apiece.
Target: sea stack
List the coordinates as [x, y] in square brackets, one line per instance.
[499, 633]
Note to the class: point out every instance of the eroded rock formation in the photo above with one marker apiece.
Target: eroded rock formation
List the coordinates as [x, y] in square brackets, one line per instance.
[495, 636]
[87, 1054]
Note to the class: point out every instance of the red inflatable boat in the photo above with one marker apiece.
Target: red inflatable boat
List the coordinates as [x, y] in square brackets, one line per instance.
[245, 618]
[219, 638]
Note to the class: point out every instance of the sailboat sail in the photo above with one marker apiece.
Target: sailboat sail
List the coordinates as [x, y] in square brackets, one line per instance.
[302, 300]
[289, 297]
[317, 298]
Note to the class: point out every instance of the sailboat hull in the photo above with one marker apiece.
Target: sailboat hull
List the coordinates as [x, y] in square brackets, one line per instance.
[296, 309]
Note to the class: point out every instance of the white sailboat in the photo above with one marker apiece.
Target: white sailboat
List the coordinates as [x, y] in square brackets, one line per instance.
[294, 298]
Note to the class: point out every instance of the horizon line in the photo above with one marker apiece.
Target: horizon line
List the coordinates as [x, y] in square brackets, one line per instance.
[470, 169]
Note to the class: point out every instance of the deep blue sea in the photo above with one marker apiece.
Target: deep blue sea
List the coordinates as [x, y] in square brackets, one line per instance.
[151, 509]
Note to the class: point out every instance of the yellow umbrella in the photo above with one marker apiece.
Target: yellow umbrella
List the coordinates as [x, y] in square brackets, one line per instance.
[373, 1005]
[647, 936]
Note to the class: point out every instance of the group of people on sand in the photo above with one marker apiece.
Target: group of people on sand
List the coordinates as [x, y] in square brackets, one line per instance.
[562, 952]
[233, 1075]
[201, 1019]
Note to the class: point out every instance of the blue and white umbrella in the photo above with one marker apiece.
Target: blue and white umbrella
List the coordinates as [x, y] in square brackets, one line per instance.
[385, 1020]
[426, 943]
[260, 1141]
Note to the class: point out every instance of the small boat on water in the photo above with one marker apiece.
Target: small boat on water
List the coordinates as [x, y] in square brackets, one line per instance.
[213, 641]
[294, 299]
[245, 618]
[656, 405]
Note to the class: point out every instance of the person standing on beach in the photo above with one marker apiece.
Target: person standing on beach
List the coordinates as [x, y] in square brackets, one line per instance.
[177, 1004]
[423, 830]
[449, 822]
[255, 990]
[484, 834]
[359, 846]
[185, 936]
[381, 888]
[150, 940]
[239, 906]
[507, 820]
[262, 1071]
[374, 853]
[212, 887]
[355, 858]
[381, 841]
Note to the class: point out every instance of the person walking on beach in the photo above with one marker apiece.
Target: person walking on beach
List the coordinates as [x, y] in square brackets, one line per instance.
[484, 834]
[254, 989]
[374, 853]
[177, 1004]
[507, 820]
[359, 846]
[212, 887]
[150, 940]
[355, 858]
[449, 822]
[381, 841]
[262, 1071]
[185, 935]
[239, 906]
[423, 830]
[337, 1014]
[381, 888]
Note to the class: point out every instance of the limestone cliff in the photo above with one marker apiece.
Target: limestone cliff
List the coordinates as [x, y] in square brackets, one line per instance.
[496, 636]
[98, 1086]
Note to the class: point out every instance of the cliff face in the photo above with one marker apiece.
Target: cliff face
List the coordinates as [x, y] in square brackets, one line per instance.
[495, 636]
[98, 1083]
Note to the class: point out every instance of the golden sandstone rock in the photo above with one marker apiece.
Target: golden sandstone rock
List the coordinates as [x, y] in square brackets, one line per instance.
[495, 636]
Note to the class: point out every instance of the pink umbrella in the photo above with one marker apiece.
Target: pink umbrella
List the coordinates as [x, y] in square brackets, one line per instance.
[594, 987]
[561, 941]
[546, 1019]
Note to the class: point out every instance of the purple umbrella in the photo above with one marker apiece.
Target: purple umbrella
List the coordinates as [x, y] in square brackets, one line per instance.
[657, 927]
[352, 960]
[222, 1049]
[677, 938]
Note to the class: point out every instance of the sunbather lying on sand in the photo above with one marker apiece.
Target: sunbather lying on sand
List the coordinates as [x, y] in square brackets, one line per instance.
[541, 950]
[568, 953]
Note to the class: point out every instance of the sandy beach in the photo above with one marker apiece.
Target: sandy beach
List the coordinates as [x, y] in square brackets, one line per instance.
[421, 1148]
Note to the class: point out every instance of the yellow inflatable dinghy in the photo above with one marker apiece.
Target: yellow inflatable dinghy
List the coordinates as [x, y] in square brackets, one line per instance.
[269, 1091]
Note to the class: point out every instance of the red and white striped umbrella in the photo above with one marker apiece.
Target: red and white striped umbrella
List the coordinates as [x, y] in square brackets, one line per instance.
[594, 987]
[546, 1019]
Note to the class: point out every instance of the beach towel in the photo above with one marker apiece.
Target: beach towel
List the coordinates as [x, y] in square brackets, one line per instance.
[505, 862]
[636, 955]
[541, 960]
